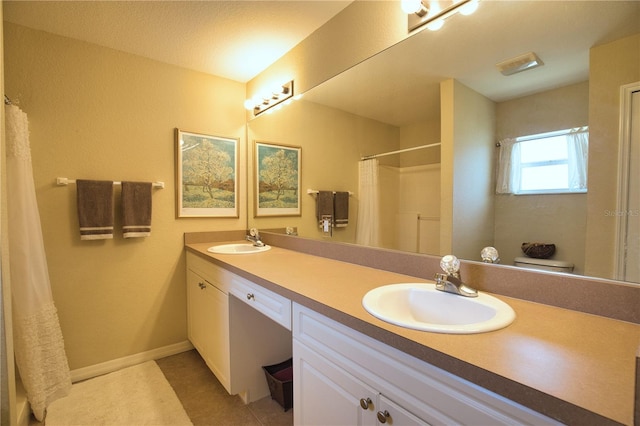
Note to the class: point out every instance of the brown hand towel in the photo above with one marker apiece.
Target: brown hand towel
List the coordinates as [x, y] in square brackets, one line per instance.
[341, 209]
[324, 205]
[95, 209]
[136, 209]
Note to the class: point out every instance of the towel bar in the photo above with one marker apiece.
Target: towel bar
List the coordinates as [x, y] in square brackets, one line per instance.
[61, 181]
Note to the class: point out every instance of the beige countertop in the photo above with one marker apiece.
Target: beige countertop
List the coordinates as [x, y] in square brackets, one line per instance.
[569, 365]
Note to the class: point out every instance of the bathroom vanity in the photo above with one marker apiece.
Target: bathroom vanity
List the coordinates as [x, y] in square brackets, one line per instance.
[227, 327]
[551, 364]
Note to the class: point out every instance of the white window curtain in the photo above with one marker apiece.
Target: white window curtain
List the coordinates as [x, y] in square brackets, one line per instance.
[367, 227]
[508, 170]
[578, 151]
[37, 337]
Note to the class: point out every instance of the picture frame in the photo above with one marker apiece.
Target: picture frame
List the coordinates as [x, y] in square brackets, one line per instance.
[206, 175]
[277, 171]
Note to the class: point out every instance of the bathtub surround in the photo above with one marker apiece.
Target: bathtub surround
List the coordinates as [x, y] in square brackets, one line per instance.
[95, 209]
[37, 337]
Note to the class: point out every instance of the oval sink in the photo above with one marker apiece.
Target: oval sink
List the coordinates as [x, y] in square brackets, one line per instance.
[420, 306]
[239, 248]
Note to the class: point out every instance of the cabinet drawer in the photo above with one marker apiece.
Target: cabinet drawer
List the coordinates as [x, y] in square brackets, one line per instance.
[212, 273]
[272, 305]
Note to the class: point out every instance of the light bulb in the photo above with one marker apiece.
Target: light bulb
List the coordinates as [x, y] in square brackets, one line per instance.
[249, 104]
[469, 8]
[411, 6]
[435, 25]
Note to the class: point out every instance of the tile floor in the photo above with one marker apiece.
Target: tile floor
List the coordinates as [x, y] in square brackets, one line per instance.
[206, 401]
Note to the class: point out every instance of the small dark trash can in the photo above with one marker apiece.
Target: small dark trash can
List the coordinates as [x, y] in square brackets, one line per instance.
[280, 380]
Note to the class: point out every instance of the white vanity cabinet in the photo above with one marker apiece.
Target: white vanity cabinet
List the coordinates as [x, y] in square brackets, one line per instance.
[236, 336]
[343, 377]
[208, 316]
[326, 394]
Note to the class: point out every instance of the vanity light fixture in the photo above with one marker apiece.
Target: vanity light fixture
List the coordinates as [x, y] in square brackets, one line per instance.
[433, 17]
[265, 102]
[520, 63]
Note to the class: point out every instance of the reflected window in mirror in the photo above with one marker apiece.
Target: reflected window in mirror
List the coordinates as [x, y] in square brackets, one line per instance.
[548, 163]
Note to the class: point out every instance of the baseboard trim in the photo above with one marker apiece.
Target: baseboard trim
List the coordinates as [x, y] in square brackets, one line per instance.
[128, 361]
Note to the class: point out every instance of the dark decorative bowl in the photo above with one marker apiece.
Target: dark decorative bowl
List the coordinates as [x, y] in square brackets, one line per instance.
[539, 250]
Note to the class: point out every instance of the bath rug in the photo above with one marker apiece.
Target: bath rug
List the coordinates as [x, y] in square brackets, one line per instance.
[135, 396]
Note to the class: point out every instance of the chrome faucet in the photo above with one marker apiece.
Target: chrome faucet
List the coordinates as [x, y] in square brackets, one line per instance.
[490, 255]
[450, 281]
[254, 236]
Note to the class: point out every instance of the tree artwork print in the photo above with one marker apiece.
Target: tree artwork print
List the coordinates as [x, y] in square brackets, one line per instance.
[278, 180]
[208, 179]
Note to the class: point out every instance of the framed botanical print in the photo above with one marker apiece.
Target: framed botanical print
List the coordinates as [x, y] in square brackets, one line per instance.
[277, 179]
[206, 175]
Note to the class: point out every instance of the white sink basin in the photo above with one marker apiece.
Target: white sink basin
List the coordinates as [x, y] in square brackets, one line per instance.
[239, 248]
[421, 307]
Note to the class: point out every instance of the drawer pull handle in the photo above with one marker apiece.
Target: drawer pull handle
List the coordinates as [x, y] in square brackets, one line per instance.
[250, 296]
[383, 416]
[365, 403]
[202, 286]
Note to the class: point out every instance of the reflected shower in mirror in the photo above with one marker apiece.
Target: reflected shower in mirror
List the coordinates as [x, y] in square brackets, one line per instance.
[444, 87]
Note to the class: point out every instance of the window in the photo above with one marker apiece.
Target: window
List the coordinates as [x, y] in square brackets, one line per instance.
[547, 163]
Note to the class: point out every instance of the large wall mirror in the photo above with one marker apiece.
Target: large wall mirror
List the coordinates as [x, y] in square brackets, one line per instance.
[443, 87]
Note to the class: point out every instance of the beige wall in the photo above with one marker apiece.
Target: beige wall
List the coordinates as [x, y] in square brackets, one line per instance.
[361, 30]
[426, 132]
[560, 218]
[98, 113]
[562, 108]
[332, 143]
[611, 65]
[101, 114]
[468, 132]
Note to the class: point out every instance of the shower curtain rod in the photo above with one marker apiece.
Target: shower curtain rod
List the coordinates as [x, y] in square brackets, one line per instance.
[369, 157]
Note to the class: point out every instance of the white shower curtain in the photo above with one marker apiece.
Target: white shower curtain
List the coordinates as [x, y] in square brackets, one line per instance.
[367, 229]
[38, 343]
[507, 175]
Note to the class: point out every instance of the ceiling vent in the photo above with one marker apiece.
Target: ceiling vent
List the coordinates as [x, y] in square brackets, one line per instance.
[520, 63]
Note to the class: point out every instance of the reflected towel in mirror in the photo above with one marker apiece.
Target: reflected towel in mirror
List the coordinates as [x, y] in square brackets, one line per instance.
[341, 209]
[324, 205]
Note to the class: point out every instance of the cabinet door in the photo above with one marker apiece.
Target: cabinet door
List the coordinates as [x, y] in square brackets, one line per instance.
[324, 394]
[388, 412]
[196, 311]
[208, 324]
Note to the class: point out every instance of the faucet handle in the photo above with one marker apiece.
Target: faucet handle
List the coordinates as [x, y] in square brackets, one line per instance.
[254, 232]
[450, 265]
[490, 255]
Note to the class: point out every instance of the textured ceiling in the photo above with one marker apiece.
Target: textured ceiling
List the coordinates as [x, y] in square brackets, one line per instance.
[231, 39]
